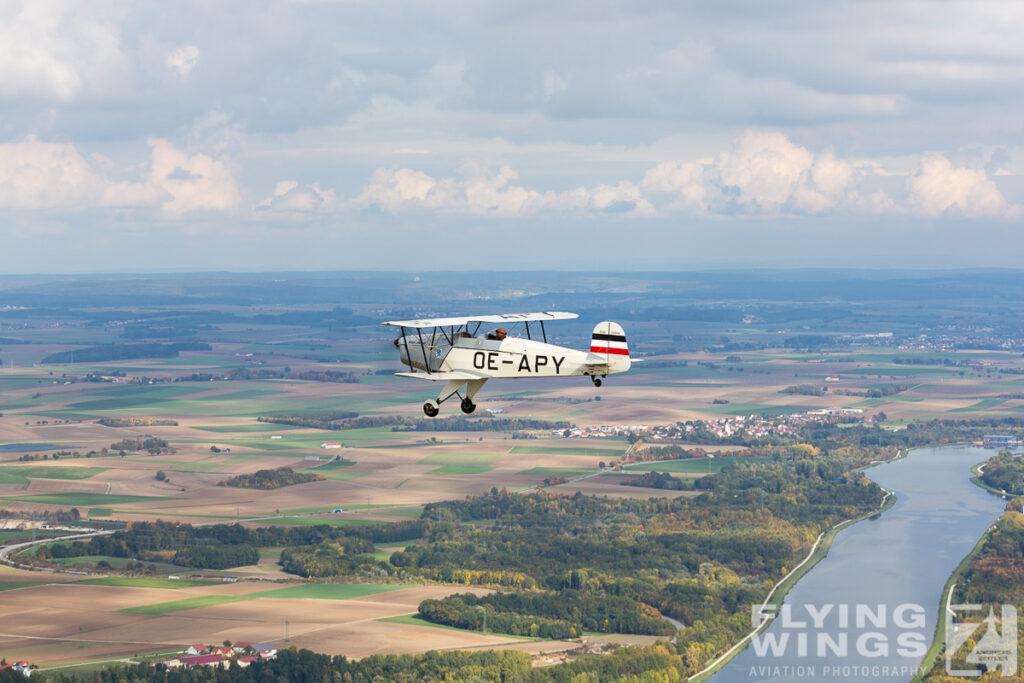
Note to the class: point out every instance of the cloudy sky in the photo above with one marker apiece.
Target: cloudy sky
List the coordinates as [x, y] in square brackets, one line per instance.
[451, 135]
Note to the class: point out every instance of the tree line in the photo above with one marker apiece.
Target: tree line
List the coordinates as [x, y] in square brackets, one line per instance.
[271, 479]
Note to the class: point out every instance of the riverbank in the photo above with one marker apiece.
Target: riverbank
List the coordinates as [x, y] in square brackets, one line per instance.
[931, 658]
[777, 595]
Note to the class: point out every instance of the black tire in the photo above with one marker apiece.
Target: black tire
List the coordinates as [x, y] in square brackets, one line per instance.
[468, 406]
[597, 381]
[430, 410]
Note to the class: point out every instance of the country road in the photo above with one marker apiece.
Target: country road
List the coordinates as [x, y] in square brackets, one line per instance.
[7, 550]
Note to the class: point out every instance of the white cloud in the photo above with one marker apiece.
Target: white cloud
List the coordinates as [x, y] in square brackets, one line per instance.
[183, 59]
[47, 175]
[760, 173]
[764, 167]
[54, 50]
[396, 190]
[290, 196]
[939, 188]
[44, 175]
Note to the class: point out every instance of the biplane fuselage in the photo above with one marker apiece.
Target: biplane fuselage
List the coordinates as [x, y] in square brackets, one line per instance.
[510, 357]
[453, 351]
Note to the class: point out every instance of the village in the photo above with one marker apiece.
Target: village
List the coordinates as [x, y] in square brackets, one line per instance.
[756, 426]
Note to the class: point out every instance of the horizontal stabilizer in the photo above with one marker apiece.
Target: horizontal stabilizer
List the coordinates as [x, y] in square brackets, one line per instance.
[445, 376]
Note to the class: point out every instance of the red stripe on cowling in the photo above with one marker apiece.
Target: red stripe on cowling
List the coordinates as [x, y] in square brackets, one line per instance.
[606, 349]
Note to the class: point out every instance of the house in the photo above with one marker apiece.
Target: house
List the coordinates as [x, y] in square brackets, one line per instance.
[265, 650]
[246, 661]
[196, 649]
[24, 668]
[204, 660]
[330, 444]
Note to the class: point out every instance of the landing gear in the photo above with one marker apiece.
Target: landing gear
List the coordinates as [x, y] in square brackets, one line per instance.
[468, 406]
[430, 409]
[597, 380]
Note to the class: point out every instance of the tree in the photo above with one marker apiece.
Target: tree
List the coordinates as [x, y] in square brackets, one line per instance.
[161, 475]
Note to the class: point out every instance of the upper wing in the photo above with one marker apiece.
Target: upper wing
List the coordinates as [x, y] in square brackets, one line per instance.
[502, 318]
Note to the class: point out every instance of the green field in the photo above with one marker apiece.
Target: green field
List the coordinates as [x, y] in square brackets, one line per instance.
[417, 620]
[315, 521]
[558, 450]
[100, 512]
[983, 404]
[341, 475]
[20, 474]
[313, 591]
[144, 582]
[335, 465]
[187, 603]
[83, 499]
[443, 458]
[7, 535]
[14, 585]
[558, 471]
[87, 562]
[331, 591]
[461, 469]
[251, 427]
[134, 396]
[695, 465]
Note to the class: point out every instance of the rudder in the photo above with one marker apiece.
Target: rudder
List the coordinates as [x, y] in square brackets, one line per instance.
[609, 340]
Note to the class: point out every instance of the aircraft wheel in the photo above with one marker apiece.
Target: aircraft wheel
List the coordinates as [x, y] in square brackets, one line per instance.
[430, 409]
[468, 406]
[597, 381]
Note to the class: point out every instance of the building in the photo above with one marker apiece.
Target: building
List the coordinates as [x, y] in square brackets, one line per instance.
[997, 441]
[204, 660]
[24, 668]
[330, 444]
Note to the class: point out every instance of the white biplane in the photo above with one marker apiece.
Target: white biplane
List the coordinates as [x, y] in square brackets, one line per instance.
[452, 350]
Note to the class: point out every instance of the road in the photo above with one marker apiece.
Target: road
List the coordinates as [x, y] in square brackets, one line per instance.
[7, 550]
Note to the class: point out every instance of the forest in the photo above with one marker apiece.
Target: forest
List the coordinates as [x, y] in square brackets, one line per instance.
[548, 614]
[399, 423]
[223, 545]
[271, 479]
[1005, 472]
[995, 577]
[653, 664]
[105, 352]
[657, 480]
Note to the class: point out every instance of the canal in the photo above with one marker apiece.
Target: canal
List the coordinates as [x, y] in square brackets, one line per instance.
[868, 611]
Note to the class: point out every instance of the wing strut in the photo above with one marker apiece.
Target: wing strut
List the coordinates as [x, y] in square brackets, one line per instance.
[423, 350]
[543, 332]
[408, 356]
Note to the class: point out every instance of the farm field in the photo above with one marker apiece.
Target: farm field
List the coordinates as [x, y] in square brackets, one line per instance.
[73, 442]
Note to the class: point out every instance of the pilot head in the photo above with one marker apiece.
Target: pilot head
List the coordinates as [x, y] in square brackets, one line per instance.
[500, 333]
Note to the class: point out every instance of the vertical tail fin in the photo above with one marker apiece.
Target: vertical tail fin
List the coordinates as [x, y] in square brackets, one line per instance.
[609, 340]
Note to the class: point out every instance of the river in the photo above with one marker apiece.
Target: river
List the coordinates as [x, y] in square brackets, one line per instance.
[876, 594]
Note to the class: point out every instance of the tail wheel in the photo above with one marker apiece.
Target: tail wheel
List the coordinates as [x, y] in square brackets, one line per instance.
[468, 406]
[430, 409]
[597, 380]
